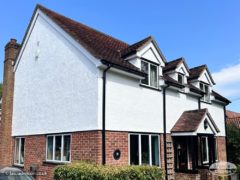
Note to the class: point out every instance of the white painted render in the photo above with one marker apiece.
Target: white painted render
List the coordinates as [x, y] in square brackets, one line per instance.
[209, 130]
[58, 88]
[56, 92]
[205, 78]
[131, 107]
[216, 110]
[176, 104]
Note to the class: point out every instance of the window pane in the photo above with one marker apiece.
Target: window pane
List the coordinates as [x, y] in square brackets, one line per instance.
[58, 145]
[50, 148]
[180, 78]
[201, 87]
[17, 160]
[145, 149]
[66, 149]
[204, 150]
[216, 149]
[155, 151]
[153, 75]
[134, 152]
[144, 68]
[22, 151]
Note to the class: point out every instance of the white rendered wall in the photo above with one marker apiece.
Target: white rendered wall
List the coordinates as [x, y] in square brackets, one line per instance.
[176, 104]
[130, 107]
[56, 92]
[217, 112]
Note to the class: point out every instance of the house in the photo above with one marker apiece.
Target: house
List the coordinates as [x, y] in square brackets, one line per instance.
[73, 93]
[233, 118]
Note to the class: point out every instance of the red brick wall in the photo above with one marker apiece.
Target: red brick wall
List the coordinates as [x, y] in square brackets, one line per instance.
[221, 147]
[116, 140]
[85, 146]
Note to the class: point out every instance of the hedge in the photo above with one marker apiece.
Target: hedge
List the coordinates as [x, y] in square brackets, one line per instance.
[87, 171]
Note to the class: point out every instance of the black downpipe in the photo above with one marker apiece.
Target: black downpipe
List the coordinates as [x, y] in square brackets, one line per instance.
[226, 133]
[165, 130]
[199, 103]
[104, 115]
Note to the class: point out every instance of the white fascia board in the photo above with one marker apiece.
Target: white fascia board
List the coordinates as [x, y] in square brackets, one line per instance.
[59, 30]
[147, 46]
[184, 134]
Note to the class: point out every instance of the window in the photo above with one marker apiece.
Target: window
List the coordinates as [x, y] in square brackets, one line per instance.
[216, 149]
[58, 148]
[152, 74]
[180, 79]
[204, 146]
[144, 149]
[19, 151]
[205, 89]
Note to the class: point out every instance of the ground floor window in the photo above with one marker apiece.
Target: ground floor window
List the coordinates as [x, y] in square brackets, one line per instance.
[19, 151]
[58, 148]
[205, 151]
[144, 149]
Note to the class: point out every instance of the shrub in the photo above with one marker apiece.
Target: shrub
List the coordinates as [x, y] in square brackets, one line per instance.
[87, 171]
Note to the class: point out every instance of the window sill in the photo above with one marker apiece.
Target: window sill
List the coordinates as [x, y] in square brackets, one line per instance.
[18, 165]
[55, 162]
[207, 102]
[149, 87]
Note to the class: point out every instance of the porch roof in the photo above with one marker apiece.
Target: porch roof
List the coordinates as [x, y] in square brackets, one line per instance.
[190, 121]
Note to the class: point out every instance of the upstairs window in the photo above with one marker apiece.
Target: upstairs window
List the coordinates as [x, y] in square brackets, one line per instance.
[152, 74]
[180, 79]
[205, 89]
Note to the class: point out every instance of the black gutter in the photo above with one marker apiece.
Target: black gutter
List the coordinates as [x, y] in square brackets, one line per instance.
[165, 131]
[104, 115]
[226, 134]
[117, 66]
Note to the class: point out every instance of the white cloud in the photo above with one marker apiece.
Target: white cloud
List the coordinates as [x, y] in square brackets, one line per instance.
[228, 81]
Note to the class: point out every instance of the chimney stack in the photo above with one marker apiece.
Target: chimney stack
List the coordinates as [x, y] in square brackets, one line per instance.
[6, 140]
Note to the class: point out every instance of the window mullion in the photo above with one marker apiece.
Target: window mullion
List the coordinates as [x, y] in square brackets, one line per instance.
[149, 74]
[150, 150]
[53, 147]
[140, 149]
[19, 151]
[62, 145]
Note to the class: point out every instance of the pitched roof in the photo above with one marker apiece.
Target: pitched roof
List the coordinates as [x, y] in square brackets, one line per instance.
[172, 81]
[134, 47]
[171, 65]
[189, 121]
[100, 45]
[220, 97]
[231, 114]
[196, 72]
[234, 121]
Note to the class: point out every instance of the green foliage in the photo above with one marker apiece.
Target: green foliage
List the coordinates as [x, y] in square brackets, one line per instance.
[233, 143]
[238, 169]
[88, 171]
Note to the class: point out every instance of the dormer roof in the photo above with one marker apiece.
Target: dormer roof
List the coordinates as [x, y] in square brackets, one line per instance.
[196, 72]
[172, 65]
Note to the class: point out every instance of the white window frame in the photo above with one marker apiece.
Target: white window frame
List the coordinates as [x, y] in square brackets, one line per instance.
[149, 68]
[19, 151]
[206, 96]
[216, 149]
[207, 149]
[62, 145]
[179, 74]
[140, 148]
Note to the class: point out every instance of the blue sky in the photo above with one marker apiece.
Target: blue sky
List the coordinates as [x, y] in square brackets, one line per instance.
[203, 32]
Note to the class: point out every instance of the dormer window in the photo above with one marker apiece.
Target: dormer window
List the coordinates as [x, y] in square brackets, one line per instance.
[180, 79]
[205, 89]
[152, 74]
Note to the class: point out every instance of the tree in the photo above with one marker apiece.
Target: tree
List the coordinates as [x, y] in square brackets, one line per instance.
[233, 143]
